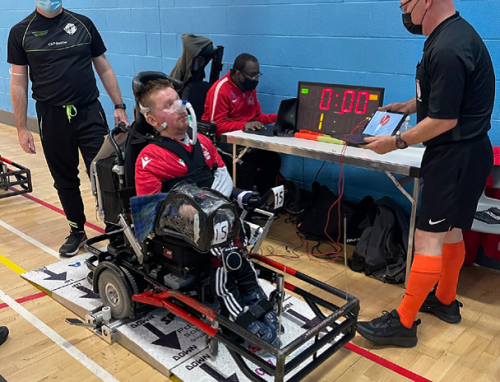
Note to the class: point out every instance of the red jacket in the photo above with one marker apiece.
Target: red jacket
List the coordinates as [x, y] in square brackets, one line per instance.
[156, 164]
[230, 108]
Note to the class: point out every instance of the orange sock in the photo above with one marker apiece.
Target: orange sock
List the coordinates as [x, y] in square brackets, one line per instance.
[424, 274]
[453, 259]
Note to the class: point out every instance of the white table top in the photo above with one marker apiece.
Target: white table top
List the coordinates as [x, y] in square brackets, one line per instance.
[404, 162]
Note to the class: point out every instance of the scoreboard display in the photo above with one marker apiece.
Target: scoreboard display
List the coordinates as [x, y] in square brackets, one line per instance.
[335, 109]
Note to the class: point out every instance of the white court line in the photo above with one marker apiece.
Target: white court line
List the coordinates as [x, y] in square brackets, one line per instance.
[29, 239]
[97, 370]
[50, 333]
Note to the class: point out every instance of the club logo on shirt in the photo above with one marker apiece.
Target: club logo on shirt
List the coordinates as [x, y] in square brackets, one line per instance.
[70, 28]
[233, 96]
[419, 92]
[206, 153]
[145, 162]
[251, 100]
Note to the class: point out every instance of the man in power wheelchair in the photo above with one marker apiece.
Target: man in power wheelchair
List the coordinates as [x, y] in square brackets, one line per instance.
[195, 226]
[207, 219]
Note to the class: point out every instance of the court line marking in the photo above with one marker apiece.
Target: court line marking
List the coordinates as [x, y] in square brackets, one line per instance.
[29, 239]
[58, 210]
[26, 298]
[16, 268]
[81, 357]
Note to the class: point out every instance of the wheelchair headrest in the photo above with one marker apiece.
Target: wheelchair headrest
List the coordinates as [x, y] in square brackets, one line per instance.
[142, 78]
[199, 63]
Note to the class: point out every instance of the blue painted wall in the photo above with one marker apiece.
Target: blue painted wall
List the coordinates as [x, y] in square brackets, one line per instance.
[338, 41]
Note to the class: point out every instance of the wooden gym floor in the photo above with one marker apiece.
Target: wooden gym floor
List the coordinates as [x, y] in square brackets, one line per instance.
[42, 347]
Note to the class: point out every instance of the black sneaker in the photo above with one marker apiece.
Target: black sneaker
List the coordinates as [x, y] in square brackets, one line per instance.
[73, 243]
[4, 333]
[447, 313]
[388, 330]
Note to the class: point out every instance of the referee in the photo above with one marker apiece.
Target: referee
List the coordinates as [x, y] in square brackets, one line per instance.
[455, 90]
[59, 47]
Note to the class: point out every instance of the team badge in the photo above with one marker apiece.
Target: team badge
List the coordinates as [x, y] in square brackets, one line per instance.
[70, 28]
[251, 100]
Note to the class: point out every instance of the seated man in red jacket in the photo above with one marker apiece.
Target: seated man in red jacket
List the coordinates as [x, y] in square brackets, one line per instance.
[232, 105]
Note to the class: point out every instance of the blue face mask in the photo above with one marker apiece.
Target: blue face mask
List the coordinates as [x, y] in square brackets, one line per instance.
[49, 6]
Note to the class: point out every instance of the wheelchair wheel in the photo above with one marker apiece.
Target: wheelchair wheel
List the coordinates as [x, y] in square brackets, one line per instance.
[114, 293]
[213, 346]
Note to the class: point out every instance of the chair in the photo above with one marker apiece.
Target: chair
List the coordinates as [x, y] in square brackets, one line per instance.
[486, 202]
[197, 53]
[481, 233]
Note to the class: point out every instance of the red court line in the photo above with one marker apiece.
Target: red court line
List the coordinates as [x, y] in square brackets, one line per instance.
[386, 363]
[350, 346]
[58, 210]
[27, 298]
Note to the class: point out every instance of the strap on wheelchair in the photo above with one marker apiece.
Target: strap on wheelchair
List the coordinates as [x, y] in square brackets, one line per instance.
[256, 312]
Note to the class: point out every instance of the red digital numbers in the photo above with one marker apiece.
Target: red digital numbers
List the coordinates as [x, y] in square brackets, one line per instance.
[347, 93]
[365, 104]
[348, 103]
[321, 103]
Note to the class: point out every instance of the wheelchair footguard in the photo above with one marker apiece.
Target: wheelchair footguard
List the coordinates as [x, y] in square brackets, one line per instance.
[333, 327]
[13, 174]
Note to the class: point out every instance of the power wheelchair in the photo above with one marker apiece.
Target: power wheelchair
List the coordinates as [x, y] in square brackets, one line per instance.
[167, 271]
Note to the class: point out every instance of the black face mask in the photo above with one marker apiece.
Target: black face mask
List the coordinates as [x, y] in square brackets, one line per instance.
[412, 28]
[249, 85]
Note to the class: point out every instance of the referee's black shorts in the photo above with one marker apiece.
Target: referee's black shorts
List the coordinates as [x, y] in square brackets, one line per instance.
[454, 177]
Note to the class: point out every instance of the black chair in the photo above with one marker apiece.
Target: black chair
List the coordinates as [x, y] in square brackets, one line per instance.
[198, 52]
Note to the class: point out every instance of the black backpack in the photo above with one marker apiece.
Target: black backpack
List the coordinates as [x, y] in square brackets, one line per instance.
[382, 248]
[311, 223]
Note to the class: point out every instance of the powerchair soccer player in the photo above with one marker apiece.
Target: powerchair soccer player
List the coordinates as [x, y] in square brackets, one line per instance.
[174, 156]
[209, 221]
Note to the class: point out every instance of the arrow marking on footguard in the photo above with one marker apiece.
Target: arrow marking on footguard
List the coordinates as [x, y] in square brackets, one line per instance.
[166, 340]
[89, 293]
[217, 376]
[55, 276]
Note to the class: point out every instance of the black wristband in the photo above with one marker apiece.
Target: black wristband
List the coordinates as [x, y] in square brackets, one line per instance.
[120, 106]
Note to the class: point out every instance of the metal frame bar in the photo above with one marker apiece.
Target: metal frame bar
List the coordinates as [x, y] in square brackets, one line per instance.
[174, 301]
[21, 172]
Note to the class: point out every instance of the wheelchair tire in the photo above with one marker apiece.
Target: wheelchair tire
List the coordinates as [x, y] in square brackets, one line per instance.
[213, 347]
[114, 293]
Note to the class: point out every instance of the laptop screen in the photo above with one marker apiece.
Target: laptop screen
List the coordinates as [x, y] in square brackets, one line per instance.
[384, 123]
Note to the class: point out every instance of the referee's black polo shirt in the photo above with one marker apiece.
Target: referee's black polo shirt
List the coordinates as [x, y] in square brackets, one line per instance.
[455, 80]
[59, 54]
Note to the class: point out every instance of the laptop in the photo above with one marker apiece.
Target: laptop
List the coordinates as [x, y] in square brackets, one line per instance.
[285, 121]
[381, 123]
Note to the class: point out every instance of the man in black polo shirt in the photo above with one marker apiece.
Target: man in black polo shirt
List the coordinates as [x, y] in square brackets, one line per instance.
[455, 89]
[59, 48]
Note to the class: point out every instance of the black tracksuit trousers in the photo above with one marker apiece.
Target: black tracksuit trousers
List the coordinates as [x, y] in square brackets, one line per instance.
[63, 131]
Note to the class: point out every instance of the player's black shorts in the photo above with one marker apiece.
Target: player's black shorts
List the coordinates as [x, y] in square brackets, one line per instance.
[454, 177]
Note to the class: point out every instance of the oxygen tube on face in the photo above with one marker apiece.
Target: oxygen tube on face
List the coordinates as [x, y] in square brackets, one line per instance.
[178, 107]
[192, 121]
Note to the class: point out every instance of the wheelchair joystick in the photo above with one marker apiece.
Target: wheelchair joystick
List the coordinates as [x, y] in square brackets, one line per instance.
[254, 199]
